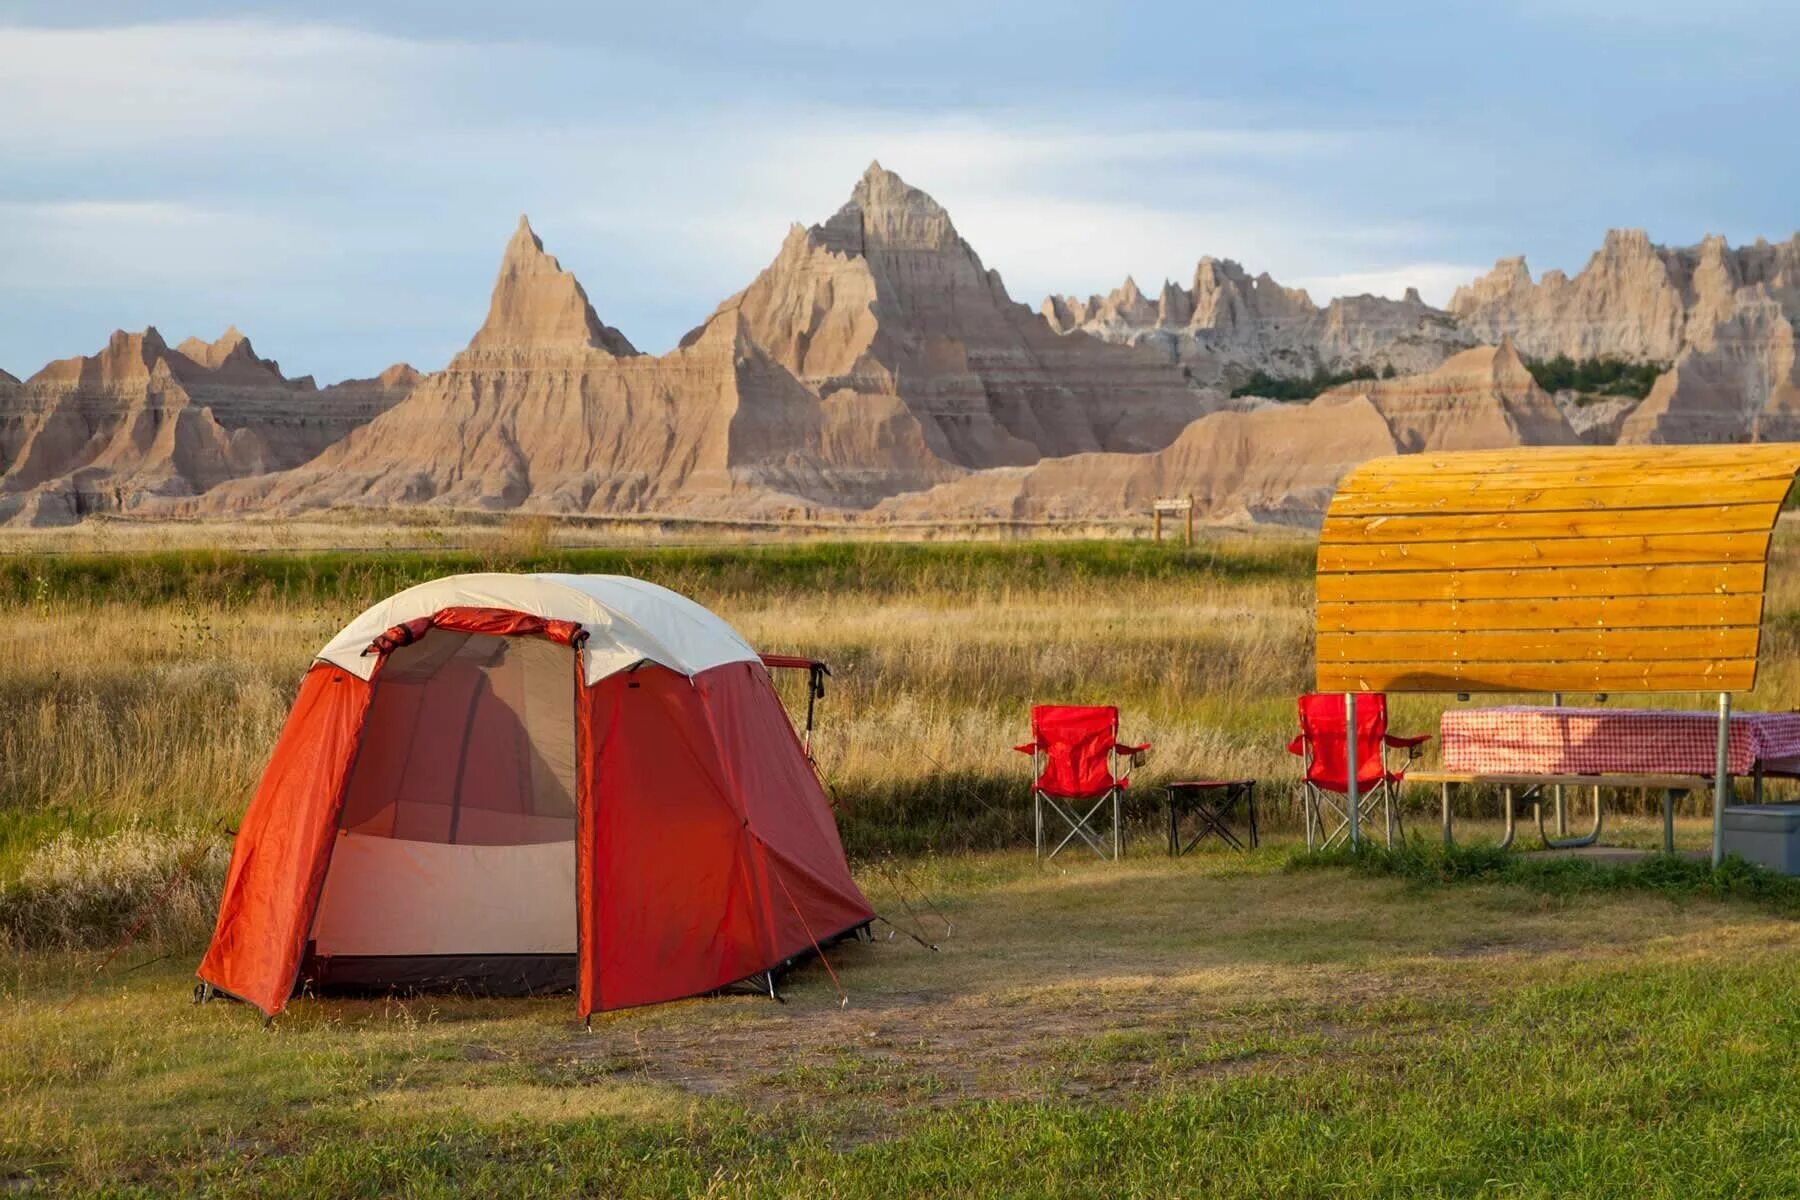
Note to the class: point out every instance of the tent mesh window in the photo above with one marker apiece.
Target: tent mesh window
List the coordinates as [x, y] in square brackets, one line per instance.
[456, 848]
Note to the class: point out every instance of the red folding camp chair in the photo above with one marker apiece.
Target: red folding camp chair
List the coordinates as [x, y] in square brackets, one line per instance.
[1075, 752]
[1325, 789]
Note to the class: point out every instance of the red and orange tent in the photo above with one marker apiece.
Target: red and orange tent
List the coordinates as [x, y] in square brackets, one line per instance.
[523, 781]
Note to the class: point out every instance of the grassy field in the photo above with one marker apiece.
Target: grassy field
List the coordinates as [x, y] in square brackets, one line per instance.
[1212, 1026]
[1209, 1027]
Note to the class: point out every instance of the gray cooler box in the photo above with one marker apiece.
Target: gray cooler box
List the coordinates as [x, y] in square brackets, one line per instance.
[1765, 834]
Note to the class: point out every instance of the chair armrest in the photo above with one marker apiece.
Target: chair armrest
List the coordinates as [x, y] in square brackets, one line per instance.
[1298, 745]
[1027, 748]
[1406, 742]
[1134, 757]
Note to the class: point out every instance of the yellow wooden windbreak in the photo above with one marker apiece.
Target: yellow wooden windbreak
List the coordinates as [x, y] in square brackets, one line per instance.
[1554, 569]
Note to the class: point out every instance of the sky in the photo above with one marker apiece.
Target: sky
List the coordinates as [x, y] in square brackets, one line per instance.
[338, 178]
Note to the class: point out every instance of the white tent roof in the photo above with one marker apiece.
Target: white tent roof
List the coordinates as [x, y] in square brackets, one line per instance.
[627, 620]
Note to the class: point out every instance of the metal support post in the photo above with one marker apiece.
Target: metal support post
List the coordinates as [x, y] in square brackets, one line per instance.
[1721, 779]
[1562, 810]
[1353, 793]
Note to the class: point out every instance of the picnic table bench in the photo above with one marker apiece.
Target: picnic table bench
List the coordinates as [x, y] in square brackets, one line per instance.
[1548, 570]
[1532, 785]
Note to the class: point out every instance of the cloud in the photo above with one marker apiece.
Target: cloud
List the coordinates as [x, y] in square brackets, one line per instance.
[353, 180]
[85, 244]
[174, 87]
[1054, 207]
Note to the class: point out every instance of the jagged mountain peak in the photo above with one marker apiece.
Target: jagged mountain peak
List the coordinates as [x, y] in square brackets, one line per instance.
[231, 355]
[538, 306]
[126, 356]
[884, 212]
[1627, 240]
[214, 352]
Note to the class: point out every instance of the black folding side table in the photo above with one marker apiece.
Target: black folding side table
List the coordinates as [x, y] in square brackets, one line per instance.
[1213, 802]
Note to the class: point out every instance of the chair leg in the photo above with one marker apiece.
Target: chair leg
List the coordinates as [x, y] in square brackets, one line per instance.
[1080, 825]
[1327, 837]
[1037, 811]
[1118, 828]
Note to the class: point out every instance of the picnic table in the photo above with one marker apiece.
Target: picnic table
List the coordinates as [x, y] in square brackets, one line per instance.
[1523, 749]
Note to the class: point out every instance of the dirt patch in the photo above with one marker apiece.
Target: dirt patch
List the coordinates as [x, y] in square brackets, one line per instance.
[913, 1048]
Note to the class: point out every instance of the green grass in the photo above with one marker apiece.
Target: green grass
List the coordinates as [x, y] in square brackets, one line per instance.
[1409, 1024]
[1676, 877]
[1213, 1026]
[235, 578]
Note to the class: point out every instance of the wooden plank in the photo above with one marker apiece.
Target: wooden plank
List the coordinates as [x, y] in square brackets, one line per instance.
[1562, 612]
[1693, 675]
[1542, 583]
[1610, 780]
[1360, 484]
[1550, 569]
[1542, 645]
[1499, 494]
[1490, 527]
[1646, 549]
[1650, 456]
[1640, 459]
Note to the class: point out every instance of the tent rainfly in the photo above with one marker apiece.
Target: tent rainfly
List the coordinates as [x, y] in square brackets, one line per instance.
[519, 782]
[1565, 569]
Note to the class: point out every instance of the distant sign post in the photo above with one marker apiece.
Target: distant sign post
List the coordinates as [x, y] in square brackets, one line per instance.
[1181, 504]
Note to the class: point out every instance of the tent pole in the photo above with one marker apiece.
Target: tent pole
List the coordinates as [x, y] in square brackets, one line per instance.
[1350, 748]
[1721, 779]
[462, 761]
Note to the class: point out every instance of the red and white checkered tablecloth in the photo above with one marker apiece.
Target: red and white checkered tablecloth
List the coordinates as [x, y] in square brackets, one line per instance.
[1520, 740]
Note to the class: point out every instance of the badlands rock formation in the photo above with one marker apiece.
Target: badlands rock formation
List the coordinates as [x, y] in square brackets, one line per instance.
[1724, 317]
[885, 301]
[539, 311]
[549, 408]
[1277, 462]
[874, 356]
[1634, 300]
[1735, 382]
[877, 369]
[1229, 324]
[1481, 399]
[140, 420]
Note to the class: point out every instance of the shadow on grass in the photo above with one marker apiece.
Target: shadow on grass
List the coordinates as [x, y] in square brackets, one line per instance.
[1675, 877]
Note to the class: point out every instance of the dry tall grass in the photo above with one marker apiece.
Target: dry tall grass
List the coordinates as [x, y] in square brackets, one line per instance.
[144, 715]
